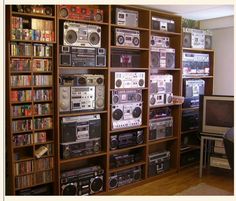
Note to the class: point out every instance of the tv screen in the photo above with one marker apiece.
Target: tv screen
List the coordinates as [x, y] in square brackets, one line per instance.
[218, 114]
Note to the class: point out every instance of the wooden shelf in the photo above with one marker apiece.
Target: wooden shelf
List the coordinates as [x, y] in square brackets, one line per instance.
[190, 131]
[127, 148]
[38, 184]
[118, 69]
[152, 142]
[143, 88]
[197, 50]
[199, 77]
[80, 158]
[165, 69]
[82, 68]
[190, 108]
[191, 148]
[82, 21]
[127, 166]
[32, 15]
[82, 113]
[33, 41]
[167, 33]
[129, 27]
[129, 48]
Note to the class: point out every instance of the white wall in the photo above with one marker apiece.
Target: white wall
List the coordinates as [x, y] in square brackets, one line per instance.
[223, 44]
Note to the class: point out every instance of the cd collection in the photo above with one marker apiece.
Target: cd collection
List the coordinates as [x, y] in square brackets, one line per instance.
[43, 177]
[43, 123]
[24, 181]
[24, 167]
[40, 137]
[42, 50]
[20, 49]
[22, 125]
[20, 80]
[42, 95]
[41, 65]
[21, 140]
[42, 80]
[21, 110]
[20, 65]
[42, 109]
[43, 163]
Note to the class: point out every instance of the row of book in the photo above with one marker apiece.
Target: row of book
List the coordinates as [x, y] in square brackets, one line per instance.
[31, 95]
[30, 138]
[28, 110]
[33, 179]
[28, 80]
[24, 125]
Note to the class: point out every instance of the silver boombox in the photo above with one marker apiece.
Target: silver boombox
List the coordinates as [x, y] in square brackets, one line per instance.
[161, 89]
[127, 37]
[84, 35]
[126, 17]
[126, 115]
[162, 57]
[197, 38]
[126, 96]
[79, 93]
[160, 41]
[129, 80]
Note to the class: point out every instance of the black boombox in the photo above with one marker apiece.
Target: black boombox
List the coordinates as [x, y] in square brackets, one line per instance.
[160, 128]
[163, 24]
[190, 120]
[158, 162]
[80, 135]
[125, 58]
[83, 181]
[126, 139]
[119, 160]
[82, 56]
[193, 88]
[125, 177]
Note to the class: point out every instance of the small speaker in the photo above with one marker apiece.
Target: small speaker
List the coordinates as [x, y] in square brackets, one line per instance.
[68, 132]
[170, 60]
[155, 59]
[113, 182]
[208, 42]
[100, 102]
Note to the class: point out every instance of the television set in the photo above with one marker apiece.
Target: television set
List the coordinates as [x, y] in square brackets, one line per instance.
[218, 114]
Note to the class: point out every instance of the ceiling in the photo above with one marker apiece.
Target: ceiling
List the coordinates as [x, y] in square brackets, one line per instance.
[196, 12]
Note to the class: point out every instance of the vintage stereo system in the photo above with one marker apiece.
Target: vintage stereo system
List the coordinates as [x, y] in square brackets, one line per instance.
[80, 135]
[190, 120]
[125, 58]
[196, 38]
[82, 181]
[35, 9]
[126, 115]
[126, 96]
[162, 58]
[125, 177]
[82, 56]
[195, 64]
[127, 37]
[129, 80]
[80, 13]
[119, 160]
[160, 41]
[129, 139]
[159, 112]
[161, 89]
[163, 24]
[87, 94]
[158, 162]
[127, 17]
[160, 128]
[193, 88]
[83, 35]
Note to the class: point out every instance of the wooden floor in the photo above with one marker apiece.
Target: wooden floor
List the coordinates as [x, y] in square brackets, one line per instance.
[182, 180]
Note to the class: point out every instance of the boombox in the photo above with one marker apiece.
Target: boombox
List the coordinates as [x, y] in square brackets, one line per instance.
[35, 9]
[129, 80]
[82, 56]
[83, 181]
[81, 93]
[125, 177]
[126, 115]
[162, 58]
[161, 89]
[158, 162]
[126, 139]
[190, 120]
[119, 160]
[126, 17]
[192, 90]
[163, 24]
[78, 13]
[125, 58]
[126, 96]
[196, 38]
[83, 35]
[160, 128]
[160, 41]
[80, 136]
[195, 64]
[127, 37]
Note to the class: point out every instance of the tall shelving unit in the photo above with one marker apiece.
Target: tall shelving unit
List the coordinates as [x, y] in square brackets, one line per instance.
[30, 100]
[103, 157]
